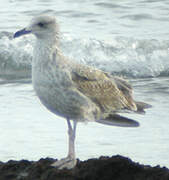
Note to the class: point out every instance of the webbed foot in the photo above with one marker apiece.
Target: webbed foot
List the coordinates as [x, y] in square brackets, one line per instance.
[67, 162]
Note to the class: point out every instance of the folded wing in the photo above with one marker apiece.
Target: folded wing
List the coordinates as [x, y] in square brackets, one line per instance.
[109, 93]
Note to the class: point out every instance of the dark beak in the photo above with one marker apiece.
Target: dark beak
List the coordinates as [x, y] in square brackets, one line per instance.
[21, 32]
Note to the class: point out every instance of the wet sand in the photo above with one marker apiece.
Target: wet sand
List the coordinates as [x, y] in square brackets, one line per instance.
[103, 168]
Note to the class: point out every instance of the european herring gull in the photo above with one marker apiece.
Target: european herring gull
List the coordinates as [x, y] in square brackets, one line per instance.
[75, 91]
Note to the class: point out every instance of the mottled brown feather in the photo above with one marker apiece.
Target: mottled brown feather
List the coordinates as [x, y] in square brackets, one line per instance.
[110, 93]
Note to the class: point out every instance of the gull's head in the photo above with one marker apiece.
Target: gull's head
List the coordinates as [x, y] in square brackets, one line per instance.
[42, 27]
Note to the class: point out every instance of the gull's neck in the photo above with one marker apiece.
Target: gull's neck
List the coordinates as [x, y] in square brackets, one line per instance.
[49, 42]
[44, 49]
[47, 53]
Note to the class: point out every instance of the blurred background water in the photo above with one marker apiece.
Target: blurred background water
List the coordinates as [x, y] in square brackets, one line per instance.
[124, 37]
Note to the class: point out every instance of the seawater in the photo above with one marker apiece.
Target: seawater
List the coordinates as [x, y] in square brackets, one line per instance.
[126, 38]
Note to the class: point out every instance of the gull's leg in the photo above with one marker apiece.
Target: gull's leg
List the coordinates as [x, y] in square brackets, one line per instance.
[70, 161]
[72, 134]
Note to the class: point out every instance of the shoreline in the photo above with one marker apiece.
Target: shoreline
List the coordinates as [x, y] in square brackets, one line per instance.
[103, 168]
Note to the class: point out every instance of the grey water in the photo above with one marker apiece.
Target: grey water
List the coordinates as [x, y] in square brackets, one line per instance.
[126, 38]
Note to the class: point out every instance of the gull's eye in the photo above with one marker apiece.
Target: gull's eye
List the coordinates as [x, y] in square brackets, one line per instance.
[40, 24]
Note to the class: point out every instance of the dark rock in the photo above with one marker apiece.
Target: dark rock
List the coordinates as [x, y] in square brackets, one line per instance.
[104, 168]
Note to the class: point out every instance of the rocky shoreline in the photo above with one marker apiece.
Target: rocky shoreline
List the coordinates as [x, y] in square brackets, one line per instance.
[103, 168]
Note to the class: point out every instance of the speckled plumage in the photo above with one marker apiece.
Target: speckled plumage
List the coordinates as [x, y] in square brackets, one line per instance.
[75, 91]
[89, 92]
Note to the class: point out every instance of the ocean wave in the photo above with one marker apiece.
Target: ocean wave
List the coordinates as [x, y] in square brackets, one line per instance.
[15, 56]
[121, 56]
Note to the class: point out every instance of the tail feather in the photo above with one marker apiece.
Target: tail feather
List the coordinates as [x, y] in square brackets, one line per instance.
[141, 106]
[117, 120]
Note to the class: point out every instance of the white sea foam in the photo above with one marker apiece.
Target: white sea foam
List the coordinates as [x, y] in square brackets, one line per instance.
[123, 56]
